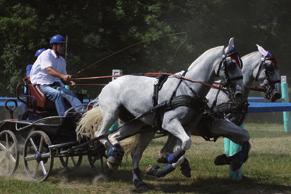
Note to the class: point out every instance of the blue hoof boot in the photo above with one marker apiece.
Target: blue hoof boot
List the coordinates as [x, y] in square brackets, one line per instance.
[222, 160]
[186, 169]
[159, 172]
[114, 156]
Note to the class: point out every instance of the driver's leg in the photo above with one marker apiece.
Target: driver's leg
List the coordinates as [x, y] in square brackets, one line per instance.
[71, 98]
[55, 96]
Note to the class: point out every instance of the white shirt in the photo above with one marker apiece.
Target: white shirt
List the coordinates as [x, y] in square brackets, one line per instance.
[47, 58]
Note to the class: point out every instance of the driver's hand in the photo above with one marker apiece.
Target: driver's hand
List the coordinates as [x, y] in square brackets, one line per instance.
[67, 78]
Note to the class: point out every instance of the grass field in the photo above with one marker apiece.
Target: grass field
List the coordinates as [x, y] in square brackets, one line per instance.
[268, 170]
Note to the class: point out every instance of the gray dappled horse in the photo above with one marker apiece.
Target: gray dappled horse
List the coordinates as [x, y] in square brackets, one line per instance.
[259, 66]
[179, 101]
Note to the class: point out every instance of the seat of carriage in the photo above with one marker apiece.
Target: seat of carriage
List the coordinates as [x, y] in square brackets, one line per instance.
[36, 101]
[42, 109]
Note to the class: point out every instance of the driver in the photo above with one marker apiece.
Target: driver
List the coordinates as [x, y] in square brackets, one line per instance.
[49, 72]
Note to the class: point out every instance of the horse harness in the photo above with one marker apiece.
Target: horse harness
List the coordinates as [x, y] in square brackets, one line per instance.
[197, 103]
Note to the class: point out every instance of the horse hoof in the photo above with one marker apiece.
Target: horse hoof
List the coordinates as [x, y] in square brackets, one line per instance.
[222, 160]
[236, 164]
[112, 165]
[186, 169]
[140, 186]
[152, 170]
[162, 160]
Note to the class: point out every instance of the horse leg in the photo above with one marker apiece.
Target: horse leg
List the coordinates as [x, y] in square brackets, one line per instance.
[167, 148]
[174, 126]
[115, 151]
[176, 158]
[110, 115]
[171, 144]
[136, 154]
[225, 128]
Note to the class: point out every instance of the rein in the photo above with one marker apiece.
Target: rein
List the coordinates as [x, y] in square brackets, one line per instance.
[153, 74]
[215, 85]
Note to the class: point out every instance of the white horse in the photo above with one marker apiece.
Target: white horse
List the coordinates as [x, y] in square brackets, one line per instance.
[179, 101]
[259, 66]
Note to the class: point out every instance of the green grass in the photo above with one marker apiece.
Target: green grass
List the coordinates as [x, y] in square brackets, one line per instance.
[268, 170]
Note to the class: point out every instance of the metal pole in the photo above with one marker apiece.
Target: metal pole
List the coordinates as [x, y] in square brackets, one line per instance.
[66, 51]
[285, 97]
[231, 148]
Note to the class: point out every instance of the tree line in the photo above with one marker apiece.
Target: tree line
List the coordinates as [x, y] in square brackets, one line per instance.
[136, 35]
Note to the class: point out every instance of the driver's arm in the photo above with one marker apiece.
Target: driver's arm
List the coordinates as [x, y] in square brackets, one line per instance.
[51, 71]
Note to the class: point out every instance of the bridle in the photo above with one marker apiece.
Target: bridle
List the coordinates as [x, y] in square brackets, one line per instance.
[234, 56]
[234, 60]
[229, 91]
[269, 71]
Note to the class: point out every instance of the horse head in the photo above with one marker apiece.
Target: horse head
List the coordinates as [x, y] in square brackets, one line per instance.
[229, 70]
[268, 75]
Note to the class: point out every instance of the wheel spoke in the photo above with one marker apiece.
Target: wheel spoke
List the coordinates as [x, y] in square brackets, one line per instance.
[35, 170]
[66, 161]
[33, 144]
[29, 157]
[11, 157]
[45, 155]
[43, 168]
[73, 160]
[40, 144]
[3, 147]
[11, 147]
[7, 140]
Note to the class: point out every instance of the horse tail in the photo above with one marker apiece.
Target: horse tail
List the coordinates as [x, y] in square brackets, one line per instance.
[129, 144]
[90, 123]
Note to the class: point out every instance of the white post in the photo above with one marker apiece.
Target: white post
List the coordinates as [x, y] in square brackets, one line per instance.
[116, 73]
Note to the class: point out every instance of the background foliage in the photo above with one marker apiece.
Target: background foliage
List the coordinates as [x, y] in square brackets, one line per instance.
[159, 35]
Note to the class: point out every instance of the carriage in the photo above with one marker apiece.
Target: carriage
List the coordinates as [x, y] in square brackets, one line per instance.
[39, 137]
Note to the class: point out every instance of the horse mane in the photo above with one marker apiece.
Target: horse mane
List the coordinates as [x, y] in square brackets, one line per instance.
[206, 53]
[247, 55]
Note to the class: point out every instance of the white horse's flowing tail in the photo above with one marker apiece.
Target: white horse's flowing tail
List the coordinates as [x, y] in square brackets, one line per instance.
[90, 123]
[129, 144]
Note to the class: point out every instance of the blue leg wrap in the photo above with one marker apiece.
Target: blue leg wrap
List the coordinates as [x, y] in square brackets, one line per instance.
[114, 155]
[173, 157]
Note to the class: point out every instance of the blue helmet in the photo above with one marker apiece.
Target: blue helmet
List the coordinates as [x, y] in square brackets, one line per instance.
[38, 52]
[57, 39]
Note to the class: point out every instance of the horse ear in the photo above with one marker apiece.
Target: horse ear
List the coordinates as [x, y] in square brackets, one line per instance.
[230, 45]
[262, 50]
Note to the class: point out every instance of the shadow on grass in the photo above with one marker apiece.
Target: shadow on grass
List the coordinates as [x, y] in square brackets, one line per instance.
[87, 174]
[220, 185]
[205, 185]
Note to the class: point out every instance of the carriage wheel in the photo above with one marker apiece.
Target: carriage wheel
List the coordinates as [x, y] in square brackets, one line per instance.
[9, 155]
[92, 160]
[71, 161]
[38, 158]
